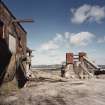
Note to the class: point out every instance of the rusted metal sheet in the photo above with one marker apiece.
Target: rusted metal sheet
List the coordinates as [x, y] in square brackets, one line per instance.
[69, 58]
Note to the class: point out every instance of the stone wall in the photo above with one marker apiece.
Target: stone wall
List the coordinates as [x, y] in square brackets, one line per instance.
[14, 29]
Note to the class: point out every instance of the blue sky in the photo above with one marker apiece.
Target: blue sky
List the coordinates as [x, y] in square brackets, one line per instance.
[62, 26]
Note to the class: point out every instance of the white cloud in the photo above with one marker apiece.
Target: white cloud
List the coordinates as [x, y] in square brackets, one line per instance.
[101, 40]
[53, 51]
[61, 40]
[88, 13]
[57, 38]
[48, 58]
[50, 45]
[100, 61]
[81, 39]
[67, 35]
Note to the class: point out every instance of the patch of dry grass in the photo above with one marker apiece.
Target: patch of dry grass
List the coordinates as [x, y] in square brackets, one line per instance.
[8, 88]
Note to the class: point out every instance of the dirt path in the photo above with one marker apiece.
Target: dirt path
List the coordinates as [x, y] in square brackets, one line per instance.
[50, 91]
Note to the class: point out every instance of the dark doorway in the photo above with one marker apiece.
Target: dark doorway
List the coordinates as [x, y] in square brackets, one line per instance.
[1, 29]
[5, 54]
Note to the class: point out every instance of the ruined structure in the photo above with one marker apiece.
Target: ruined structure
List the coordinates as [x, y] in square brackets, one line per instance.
[78, 66]
[13, 47]
[29, 72]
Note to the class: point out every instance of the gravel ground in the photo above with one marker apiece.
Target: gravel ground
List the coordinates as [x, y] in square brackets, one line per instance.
[50, 89]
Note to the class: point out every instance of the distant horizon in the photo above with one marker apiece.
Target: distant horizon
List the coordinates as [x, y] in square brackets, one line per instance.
[56, 64]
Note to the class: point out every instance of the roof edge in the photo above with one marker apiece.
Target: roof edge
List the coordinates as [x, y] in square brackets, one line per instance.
[1, 2]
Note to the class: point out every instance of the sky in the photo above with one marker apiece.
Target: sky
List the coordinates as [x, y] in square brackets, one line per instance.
[62, 26]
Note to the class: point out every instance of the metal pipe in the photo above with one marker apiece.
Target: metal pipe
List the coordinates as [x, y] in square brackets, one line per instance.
[22, 20]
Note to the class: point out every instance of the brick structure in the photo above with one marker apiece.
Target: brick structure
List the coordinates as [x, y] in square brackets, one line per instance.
[81, 55]
[69, 58]
[11, 29]
[13, 37]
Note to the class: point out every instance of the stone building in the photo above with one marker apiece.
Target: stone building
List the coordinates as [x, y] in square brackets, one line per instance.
[13, 44]
[11, 30]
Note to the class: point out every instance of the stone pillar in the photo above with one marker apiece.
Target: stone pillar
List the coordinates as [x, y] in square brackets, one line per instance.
[69, 70]
[81, 55]
[69, 58]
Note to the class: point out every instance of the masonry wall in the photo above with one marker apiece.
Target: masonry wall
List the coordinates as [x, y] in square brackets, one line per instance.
[14, 29]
